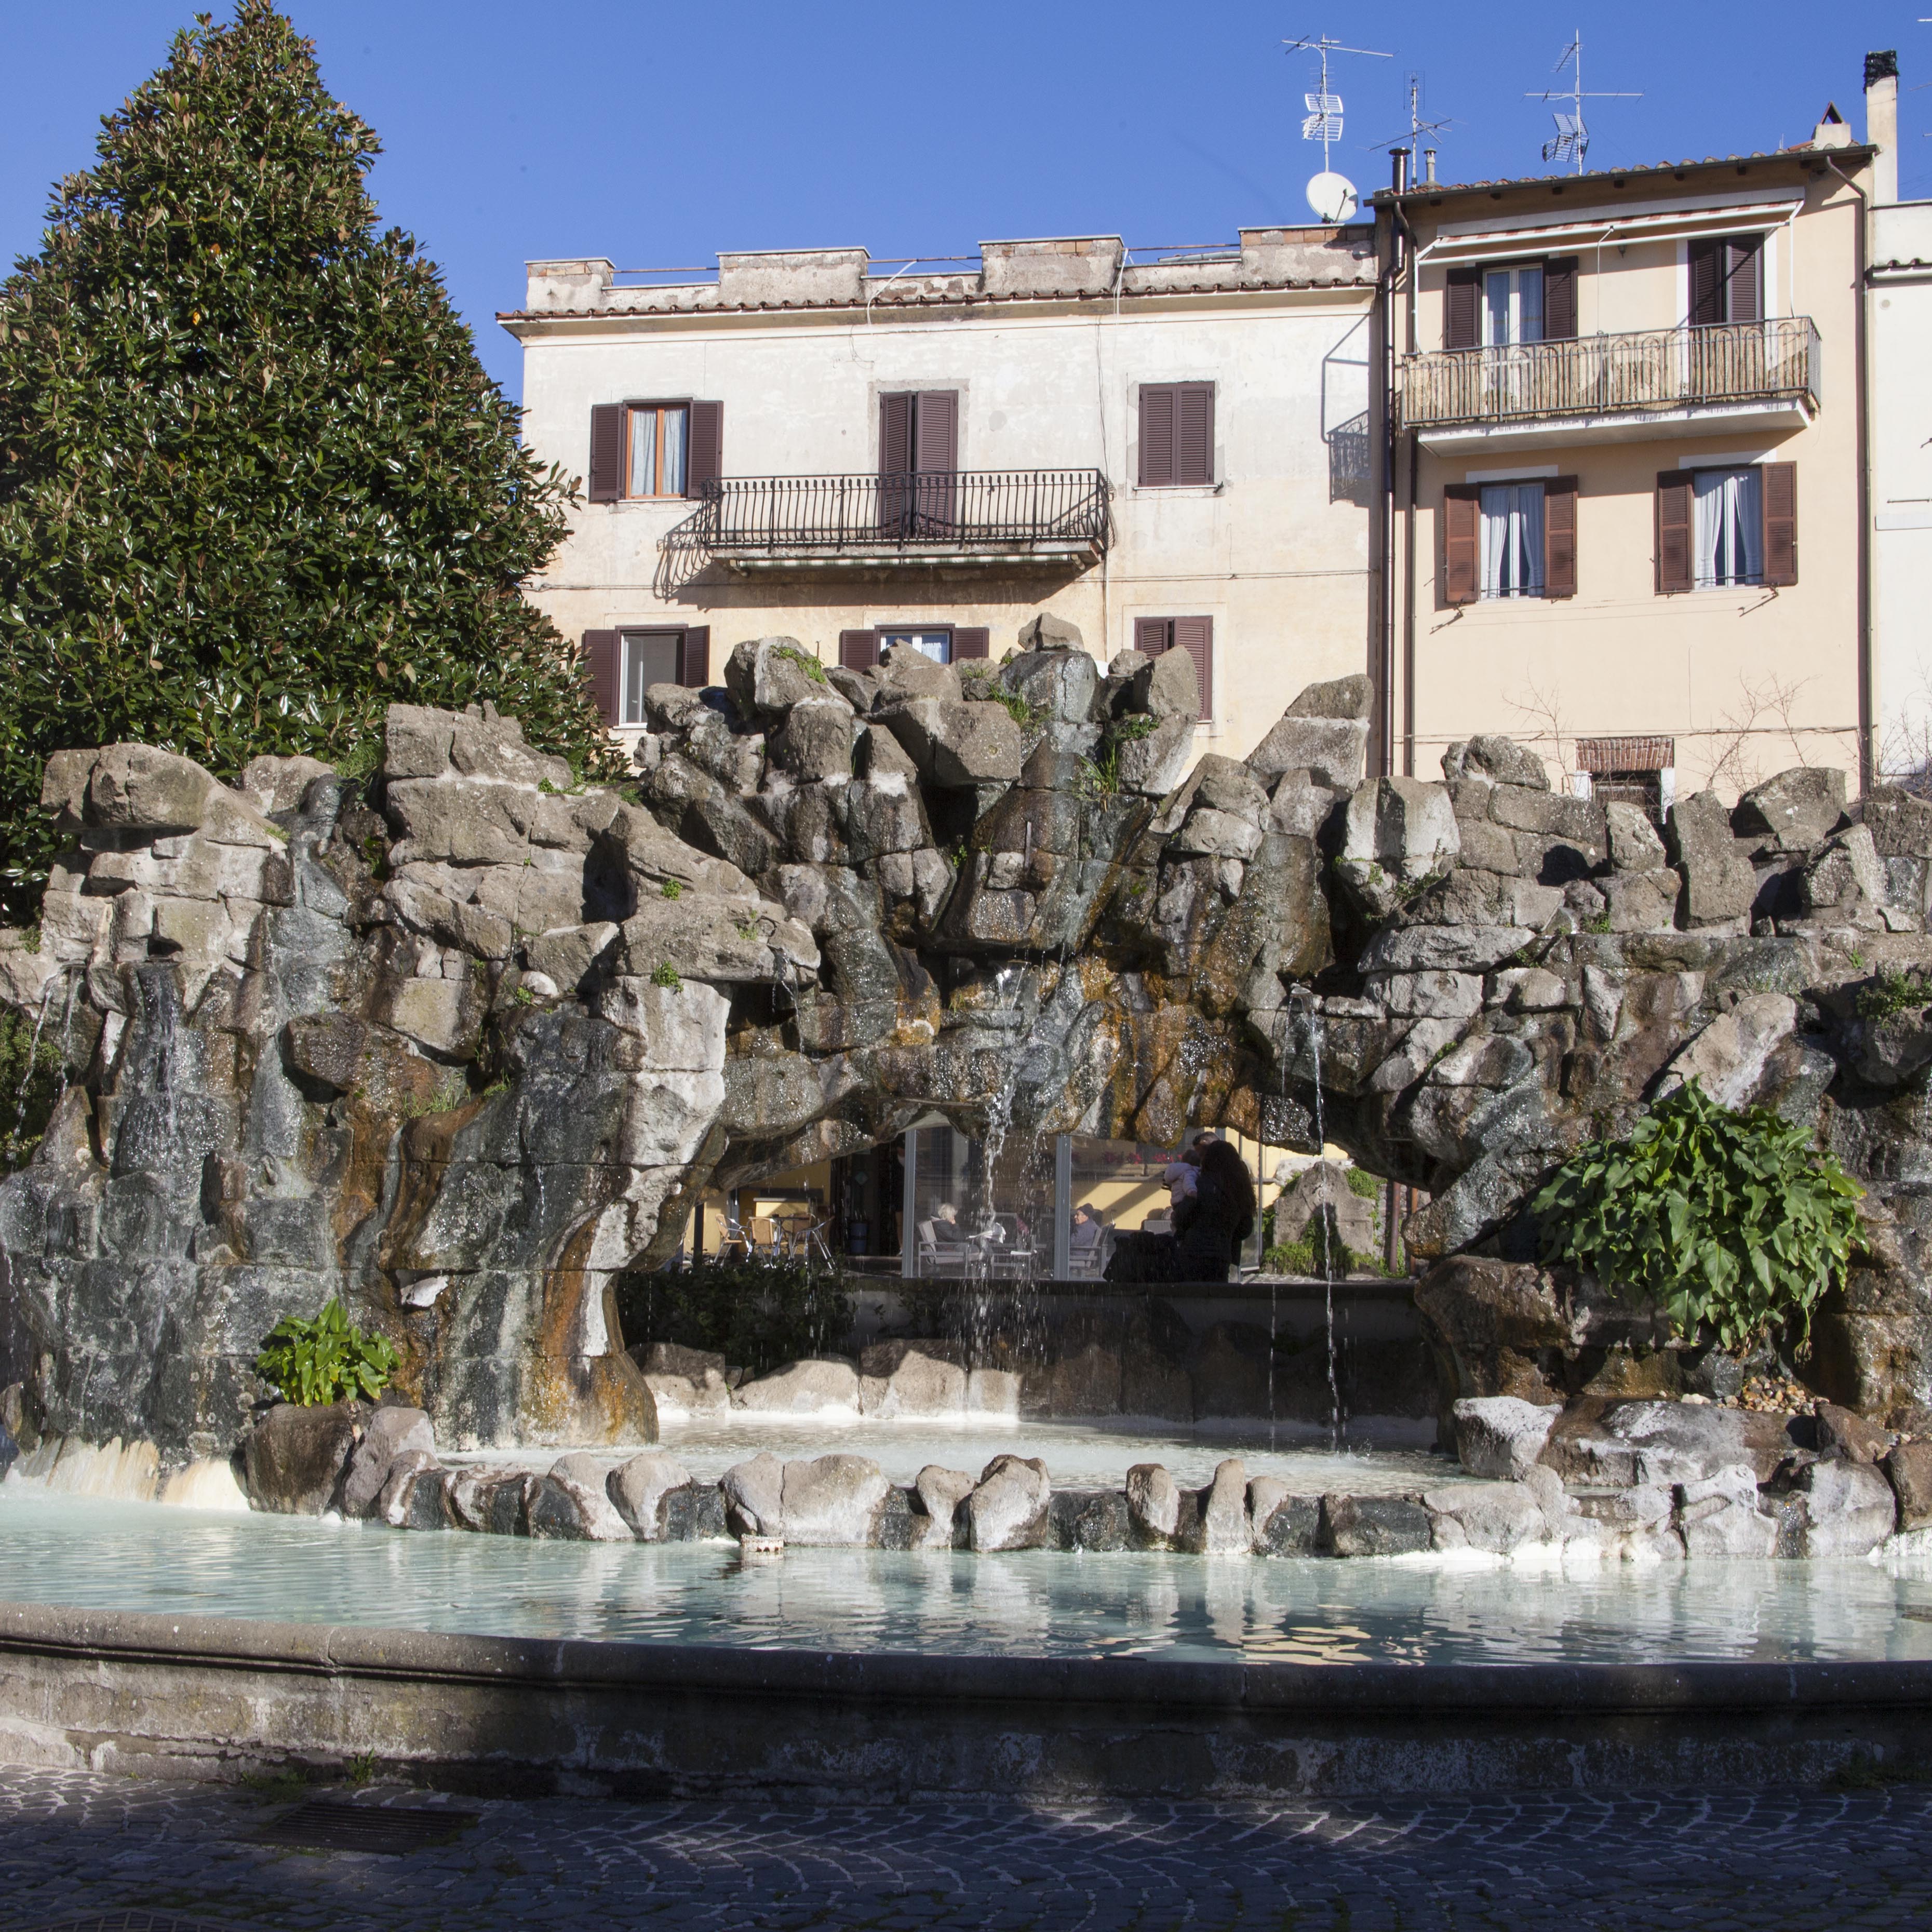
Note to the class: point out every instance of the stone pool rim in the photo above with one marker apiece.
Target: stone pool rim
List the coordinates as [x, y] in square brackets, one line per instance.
[217, 1698]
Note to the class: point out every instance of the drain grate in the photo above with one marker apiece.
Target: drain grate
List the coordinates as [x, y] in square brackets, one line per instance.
[322, 1825]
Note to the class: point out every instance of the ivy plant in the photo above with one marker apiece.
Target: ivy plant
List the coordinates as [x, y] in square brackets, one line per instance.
[325, 1360]
[254, 484]
[1732, 1220]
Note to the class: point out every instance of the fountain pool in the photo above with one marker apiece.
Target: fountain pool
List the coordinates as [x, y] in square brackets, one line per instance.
[103, 1555]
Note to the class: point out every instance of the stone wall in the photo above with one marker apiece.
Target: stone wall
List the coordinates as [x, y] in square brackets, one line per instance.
[460, 1042]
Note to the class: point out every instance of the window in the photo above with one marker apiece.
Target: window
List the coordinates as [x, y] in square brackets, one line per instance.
[938, 645]
[1512, 540]
[1726, 279]
[1507, 307]
[1194, 635]
[919, 432]
[1642, 772]
[650, 657]
[654, 449]
[1513, 306]
[620, 666]
[944, 644]
[1509, 539]
[1177, 427]
[1727, 528]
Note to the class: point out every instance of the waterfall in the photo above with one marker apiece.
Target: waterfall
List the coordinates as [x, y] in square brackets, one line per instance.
[27, 1072]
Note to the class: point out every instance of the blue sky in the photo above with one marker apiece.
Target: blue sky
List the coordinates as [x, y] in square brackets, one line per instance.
[657, 135]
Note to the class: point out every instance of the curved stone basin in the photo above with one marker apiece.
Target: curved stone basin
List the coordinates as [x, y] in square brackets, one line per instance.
[107, 1555]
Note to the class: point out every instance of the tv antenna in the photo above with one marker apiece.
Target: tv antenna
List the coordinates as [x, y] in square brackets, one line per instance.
[1324, 121]
[1417, 127]
[1572, 140]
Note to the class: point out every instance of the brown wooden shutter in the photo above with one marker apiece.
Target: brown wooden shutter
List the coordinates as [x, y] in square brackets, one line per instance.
[704, 447]
[1743, 281]
[1707, 293]
[859, 650]
[935, 431]
[895, 433]
[1153, 635]
[1196, 636]
[694, 658]
[1559, 537]
[607, 452]
[1156, 434]
[1675, 495]
[1461, 509]
[1559, 299]
[1780, 523]
[971, 642]
[1194, 432]
[602, 662]
[1460, 305]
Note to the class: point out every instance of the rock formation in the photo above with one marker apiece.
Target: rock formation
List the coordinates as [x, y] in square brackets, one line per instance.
[459, 1041]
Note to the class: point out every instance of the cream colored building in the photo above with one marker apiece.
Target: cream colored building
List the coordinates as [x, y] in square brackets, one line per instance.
[1168, 450]
[1625, 518]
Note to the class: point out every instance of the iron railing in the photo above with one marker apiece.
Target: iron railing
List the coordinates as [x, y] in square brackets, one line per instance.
[929, 511]
[1596, 375]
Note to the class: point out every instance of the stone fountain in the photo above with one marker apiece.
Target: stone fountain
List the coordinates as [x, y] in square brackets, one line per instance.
[460, 1042]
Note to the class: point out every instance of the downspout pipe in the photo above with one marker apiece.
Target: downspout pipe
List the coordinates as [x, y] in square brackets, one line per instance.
[1868, 678]
[1401, 260]
[1410, 260]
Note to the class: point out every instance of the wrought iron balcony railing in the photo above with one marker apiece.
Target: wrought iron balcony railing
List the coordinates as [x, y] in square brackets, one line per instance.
[995, 514]
[1649, 370]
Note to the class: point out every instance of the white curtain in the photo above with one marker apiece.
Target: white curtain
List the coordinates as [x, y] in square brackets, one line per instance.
[1729, 531]
[1512, 540]
[644, 453]
[673, 484]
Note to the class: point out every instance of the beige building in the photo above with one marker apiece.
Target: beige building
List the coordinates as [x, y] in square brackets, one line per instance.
[1624, 517]
[1171, 451]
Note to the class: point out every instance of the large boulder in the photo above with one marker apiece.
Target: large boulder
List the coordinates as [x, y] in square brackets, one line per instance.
[1008, 1509]
[392, 1431]
[834, 1500]
[1502, 1436]
[293, 1458]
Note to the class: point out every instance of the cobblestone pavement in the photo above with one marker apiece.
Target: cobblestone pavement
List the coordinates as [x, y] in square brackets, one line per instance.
[75, 1848]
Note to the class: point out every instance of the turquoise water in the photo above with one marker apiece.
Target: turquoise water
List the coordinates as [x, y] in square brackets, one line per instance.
[131, 1556]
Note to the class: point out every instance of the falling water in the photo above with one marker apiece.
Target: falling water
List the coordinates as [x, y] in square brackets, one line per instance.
[27, 1072]
[73, 978]
[1314, 1031]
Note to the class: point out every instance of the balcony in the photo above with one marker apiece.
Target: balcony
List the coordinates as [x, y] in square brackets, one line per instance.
[1055, 519]
[1613, 388]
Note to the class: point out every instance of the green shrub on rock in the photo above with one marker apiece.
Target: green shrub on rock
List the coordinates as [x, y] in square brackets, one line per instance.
[325, 1360]
[1734, 1220]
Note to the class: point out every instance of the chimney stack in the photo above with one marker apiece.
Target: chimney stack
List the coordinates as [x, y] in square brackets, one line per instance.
[1882, 122]
[1429, 166]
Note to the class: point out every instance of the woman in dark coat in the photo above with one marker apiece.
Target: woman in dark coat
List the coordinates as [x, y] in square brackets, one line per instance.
[1211, 1224]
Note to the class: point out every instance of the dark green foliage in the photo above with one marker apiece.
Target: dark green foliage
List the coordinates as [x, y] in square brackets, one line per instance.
[30, 1082]
[1734, 1220]
[758, 1313]
[1894, 990]
[254, 485]
[1364, 1185]
[324, 1360]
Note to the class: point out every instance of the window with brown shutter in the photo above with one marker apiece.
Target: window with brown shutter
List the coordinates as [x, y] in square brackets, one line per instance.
[1559, 537]
[1780, 523]
[600, 661]
[919, 432]
[1559, 299]
[693, 659]
[1177, 434]
[1461, 503]
[970, 641]
[704, 460]
[859, 650]
[1727, 279]
[1194, 635]
[1675, 489]
[607, 452]
[895, 433]
[1462, 306]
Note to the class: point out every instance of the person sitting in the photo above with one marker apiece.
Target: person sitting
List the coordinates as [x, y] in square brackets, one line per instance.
[1087, 1227]
[1211, 1223]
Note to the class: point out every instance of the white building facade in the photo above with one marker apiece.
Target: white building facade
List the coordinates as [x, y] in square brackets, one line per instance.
[1169, 453]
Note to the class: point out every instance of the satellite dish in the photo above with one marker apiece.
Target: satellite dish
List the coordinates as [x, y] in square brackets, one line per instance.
[1333, 197]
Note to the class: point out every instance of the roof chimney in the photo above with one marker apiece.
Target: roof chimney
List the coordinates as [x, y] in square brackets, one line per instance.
[1399, 170]
[1882, 122]
[1429, 166]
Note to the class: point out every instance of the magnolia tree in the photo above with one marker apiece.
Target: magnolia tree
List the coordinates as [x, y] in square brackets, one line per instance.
[254, 484]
